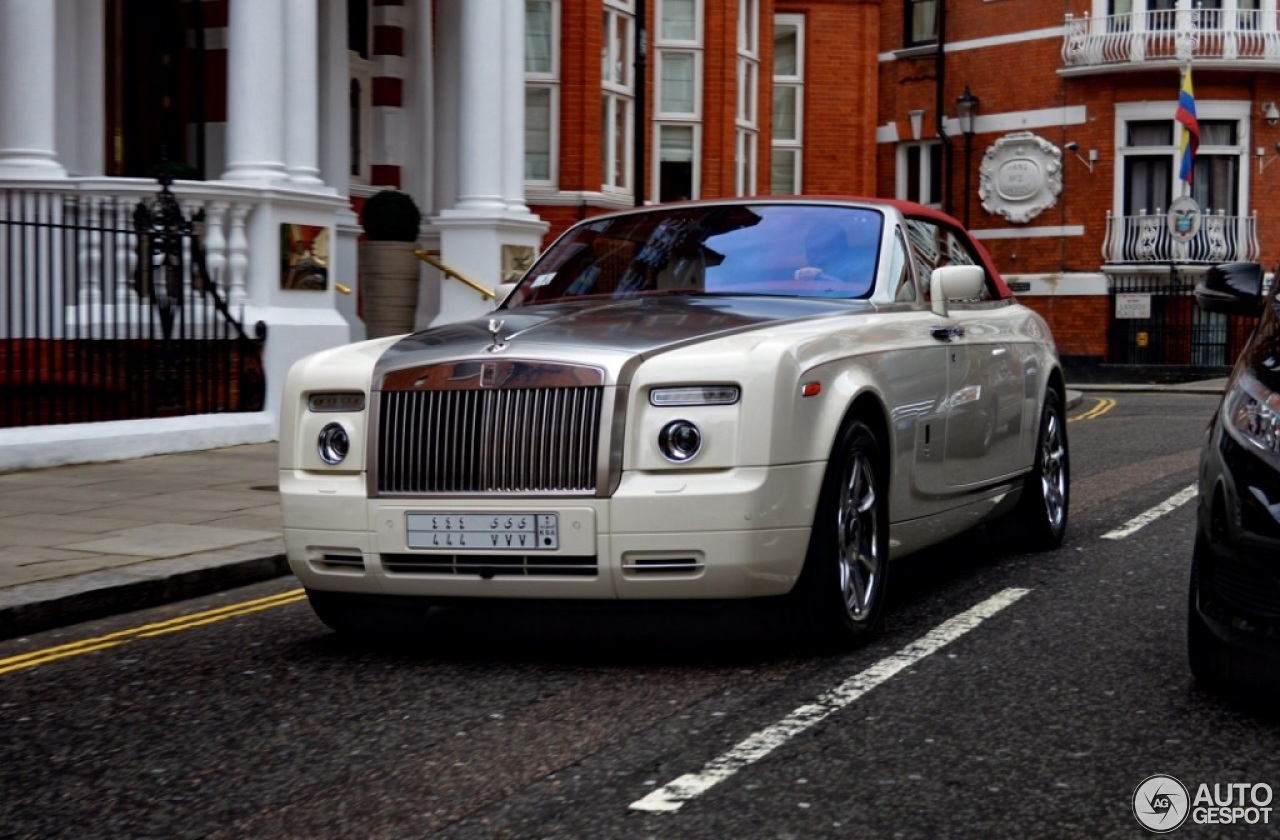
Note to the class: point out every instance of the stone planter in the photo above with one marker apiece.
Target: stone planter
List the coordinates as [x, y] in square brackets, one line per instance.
[389, 287]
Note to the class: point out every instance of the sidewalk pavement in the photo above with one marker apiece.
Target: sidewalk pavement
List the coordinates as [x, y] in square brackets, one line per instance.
[85, 541]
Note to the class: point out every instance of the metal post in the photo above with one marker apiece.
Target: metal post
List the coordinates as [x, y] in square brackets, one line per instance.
[968, 166]
[639, 124]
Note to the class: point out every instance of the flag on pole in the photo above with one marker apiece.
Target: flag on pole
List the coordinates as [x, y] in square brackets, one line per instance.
[1186, 115]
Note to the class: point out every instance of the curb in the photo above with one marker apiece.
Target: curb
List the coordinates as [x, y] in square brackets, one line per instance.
[46, 605]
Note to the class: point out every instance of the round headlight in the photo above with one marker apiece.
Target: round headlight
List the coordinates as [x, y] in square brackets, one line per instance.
[679, 440]
[333, 444]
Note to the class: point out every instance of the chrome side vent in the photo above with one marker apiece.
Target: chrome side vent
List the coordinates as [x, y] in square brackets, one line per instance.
[334, 562]
[640, 565]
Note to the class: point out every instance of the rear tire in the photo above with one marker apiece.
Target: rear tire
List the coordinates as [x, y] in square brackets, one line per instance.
[839, 598]
[1046, 497]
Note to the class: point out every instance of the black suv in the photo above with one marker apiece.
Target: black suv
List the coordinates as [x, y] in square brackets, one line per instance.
[1233, 623]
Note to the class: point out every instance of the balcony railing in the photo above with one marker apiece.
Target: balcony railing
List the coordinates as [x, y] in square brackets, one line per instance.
[1145, 238]
[1248, 36]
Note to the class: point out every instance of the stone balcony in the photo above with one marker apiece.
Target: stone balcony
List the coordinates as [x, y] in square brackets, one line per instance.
[1247, 40]
[1146, 240]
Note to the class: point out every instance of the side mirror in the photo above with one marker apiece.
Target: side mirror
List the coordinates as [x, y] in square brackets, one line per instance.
[955, 282]
[1231, 288]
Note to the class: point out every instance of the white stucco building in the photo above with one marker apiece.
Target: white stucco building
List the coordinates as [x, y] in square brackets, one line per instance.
[274, 112]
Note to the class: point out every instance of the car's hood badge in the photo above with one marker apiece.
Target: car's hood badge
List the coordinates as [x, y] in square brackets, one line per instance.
[495, 330]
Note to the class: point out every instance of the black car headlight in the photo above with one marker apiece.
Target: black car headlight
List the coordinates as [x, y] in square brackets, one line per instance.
[1251, 414]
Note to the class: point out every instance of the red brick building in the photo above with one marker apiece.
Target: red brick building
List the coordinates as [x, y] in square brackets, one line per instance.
[1049, 128]
[1067, 172]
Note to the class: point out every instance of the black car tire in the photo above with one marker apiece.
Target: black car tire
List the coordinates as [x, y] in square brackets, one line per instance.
[1215, 664]
[1204, 652]
[361, 618]
[839, 598]
[1046, 497]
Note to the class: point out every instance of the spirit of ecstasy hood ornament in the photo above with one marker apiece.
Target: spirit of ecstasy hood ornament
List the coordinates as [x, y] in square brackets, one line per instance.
[495, 327]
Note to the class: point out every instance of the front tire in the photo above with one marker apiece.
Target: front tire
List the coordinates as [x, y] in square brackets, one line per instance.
[1046, 496]
[841, 592]
[1216, 664]
[1205, 654]
[369, 618]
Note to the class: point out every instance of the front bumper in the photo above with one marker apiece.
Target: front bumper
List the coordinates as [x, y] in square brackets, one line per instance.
[1238, 561]
[738, 533]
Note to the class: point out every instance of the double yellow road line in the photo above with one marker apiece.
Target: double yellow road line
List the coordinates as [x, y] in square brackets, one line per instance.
[1100, 407]
[147, 631]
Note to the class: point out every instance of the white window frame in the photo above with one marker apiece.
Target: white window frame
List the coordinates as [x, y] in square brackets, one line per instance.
[1240, 111]
[747, 111]
[793, 146]
[927, 175]
[695, 177]
[548, 80]
[665, 47]
[618, 98]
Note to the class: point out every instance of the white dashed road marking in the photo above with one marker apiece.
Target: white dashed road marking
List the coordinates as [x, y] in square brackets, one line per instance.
[671, 796]
[1144, 519]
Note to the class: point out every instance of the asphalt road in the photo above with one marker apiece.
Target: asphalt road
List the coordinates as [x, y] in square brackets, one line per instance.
[1009, 696]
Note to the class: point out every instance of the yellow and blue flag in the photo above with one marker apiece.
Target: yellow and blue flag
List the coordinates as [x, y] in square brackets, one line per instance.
[1186, 115]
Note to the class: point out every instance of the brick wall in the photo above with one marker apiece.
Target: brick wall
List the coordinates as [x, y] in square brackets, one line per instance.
[1079, 322]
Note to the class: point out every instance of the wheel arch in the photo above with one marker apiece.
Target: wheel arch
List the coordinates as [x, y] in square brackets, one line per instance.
[868, 407]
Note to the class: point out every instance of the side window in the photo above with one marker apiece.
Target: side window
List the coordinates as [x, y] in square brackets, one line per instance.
[900, 268]
[954, 250]
[933, 245]
[923, 239]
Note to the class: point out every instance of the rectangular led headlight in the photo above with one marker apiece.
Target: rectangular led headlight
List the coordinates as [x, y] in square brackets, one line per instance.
[336, 402]
[694, 395]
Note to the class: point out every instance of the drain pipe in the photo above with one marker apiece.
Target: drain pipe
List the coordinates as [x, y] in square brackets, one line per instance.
[940, 106]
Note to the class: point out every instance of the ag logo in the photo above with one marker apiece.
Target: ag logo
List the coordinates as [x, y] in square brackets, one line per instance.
[1161, 803]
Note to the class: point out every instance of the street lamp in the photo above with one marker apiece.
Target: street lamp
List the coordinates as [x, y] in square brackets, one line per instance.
[967, 116]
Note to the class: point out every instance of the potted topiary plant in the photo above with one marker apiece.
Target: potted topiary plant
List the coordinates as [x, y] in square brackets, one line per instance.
[388, 267]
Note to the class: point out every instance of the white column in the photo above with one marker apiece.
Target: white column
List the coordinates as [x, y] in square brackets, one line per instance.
[302, 93]
[255, 91]
[480, 121]
[419, 169]
[480, 58]
[446, 106]
[334, 101]
[28, 120]
[512, 56]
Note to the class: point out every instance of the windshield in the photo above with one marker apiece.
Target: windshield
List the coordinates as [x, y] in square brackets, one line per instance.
[743, 249]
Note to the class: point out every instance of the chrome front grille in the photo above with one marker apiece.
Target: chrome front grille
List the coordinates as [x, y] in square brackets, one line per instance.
[489, 440]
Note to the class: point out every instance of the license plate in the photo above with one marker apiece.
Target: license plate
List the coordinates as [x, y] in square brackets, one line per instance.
[484, 531]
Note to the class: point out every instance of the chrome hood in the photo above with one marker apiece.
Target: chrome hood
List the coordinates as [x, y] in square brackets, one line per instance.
[636, 327]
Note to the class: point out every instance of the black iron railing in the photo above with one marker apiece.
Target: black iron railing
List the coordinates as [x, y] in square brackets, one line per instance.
[107, 312]
[1155, 321]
